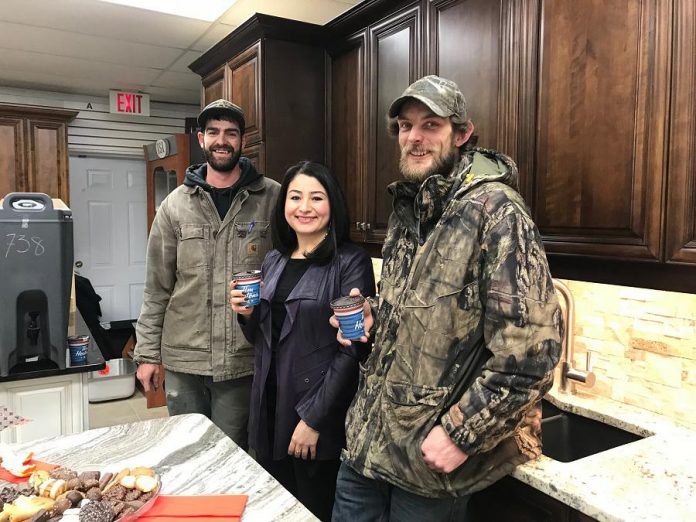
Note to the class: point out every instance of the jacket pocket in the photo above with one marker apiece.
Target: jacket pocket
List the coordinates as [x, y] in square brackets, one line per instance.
[411, 412]
[192, 251]
[305, 379]
[252, 239]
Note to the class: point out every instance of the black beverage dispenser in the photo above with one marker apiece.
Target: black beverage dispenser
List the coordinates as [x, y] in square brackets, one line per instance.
[36, 258]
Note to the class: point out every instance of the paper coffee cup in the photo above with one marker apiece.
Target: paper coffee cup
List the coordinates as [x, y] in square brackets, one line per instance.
[349, 312]
[250, 283]
[77, 346]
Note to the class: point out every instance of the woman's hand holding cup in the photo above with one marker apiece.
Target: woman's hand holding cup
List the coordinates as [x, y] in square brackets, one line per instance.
[238, 301]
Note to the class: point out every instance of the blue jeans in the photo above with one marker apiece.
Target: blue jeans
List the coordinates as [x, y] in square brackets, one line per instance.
[361, 499]
[226, 403]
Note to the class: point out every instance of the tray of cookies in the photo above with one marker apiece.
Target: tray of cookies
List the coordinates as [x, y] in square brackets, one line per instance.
[64, 495]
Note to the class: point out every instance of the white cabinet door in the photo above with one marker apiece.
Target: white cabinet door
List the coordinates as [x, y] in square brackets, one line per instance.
[54, 405]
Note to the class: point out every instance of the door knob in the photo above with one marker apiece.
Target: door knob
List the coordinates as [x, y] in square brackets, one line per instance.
[78, 264]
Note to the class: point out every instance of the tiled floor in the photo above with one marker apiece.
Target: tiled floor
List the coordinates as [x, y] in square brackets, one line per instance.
[121, 411]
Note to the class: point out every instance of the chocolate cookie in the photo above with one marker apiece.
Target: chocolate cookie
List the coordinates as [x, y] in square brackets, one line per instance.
[132, 494]
[88, 484]
[94, 494]
[118, 492]
[97, 511]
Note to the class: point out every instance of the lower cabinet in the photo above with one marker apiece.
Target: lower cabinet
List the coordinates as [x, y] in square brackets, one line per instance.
[510, 500]
[53, 405]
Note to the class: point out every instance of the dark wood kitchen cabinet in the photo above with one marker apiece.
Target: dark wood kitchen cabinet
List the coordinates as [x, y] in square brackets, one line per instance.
[369, 68]
[347, 137]
[601, 150]
[274, 69]
[681, 189]
[594, 100]
[34, 150]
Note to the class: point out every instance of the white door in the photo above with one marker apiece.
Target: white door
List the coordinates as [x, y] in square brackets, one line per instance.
[108, 201]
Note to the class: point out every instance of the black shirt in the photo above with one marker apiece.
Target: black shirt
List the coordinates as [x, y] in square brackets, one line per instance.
[293, 272]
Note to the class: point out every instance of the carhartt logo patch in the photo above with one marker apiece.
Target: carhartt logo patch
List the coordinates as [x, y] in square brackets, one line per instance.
[252, 248]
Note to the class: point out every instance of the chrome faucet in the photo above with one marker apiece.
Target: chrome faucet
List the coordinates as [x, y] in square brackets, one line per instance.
[568, 372]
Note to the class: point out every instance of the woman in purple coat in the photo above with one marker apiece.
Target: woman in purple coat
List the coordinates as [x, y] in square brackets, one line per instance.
[304, 379]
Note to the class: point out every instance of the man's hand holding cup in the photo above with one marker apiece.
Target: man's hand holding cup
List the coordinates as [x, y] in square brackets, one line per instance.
[353, 318]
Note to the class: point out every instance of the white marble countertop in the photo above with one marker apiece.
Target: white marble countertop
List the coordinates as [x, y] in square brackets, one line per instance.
[191, 455]
[652, 479]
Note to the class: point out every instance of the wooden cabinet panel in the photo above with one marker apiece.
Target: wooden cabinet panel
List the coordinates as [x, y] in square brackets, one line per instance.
[602, 111]
[347, 124]
[464, 36]
[245, 90]
[256, 155]
[394, 64]
[48, 159]
[214, 86]
[680, 230]
[34, 150]
[11, 155]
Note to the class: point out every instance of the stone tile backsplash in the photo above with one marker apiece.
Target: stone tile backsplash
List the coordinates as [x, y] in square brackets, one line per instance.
[642, 345]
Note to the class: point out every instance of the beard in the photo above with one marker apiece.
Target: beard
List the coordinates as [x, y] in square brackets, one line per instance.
[442, 163]
[222, 165]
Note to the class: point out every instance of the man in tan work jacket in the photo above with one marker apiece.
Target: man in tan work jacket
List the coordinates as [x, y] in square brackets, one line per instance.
[215, 224]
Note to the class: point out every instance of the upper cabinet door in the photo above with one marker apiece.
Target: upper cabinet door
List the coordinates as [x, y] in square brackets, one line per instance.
[214, 86]
[465, 46]
[48, 158]
[601, 154]
[680, 229]
[244, 79]
[394, 48]
[347, 123]
[12, 157]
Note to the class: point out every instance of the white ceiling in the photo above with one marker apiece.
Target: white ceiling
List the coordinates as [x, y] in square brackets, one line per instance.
[89, 47]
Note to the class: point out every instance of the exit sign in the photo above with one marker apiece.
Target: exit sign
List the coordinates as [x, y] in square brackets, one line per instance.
[121, 102]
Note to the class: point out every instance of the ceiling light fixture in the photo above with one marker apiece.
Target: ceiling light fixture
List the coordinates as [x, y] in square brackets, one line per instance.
[208, 10]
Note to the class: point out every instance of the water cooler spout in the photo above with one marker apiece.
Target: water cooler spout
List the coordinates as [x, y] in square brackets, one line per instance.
[33, 329]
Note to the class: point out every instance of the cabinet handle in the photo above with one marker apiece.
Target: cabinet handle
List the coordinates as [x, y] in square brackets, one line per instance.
[357, 225]
[366, 226]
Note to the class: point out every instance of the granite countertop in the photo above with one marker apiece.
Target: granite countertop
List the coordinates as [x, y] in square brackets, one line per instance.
[95, 361]
[191, 455]
[650, 479]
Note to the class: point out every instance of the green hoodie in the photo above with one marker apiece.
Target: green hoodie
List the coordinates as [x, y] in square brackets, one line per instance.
[468, 332]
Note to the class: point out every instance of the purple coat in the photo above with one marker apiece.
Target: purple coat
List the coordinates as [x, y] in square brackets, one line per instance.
[317, 377]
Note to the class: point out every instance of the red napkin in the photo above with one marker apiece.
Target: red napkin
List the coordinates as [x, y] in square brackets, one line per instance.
[9, 477]
[198, 508]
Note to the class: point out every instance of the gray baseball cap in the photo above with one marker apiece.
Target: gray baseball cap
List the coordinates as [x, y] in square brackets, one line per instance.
[219, 108]
[440, 95]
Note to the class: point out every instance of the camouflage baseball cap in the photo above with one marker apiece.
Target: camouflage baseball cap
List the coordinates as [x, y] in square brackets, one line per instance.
[440, 95]
[219, 108]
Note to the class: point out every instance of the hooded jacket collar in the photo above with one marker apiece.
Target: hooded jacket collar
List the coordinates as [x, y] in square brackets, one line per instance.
[420, 205]
[196, 176]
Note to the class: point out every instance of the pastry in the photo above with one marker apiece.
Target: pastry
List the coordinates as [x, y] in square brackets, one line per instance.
[117, 492]
[94, 494]
[52, 488]
[97, 511]
[142, 470]
[89, 475]
[105, 479]
[23, 508]
[146, 483]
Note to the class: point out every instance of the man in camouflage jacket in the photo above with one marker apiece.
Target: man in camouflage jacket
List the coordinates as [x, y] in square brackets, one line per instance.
[467, 331]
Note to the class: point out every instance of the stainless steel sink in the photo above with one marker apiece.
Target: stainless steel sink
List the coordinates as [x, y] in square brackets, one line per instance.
[567, 436]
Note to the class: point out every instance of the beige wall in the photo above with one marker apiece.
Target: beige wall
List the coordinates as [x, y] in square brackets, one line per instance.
[642, 345]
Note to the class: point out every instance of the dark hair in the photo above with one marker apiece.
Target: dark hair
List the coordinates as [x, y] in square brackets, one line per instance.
[284, 237]
[223, 116]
